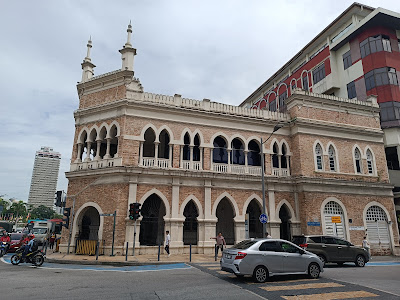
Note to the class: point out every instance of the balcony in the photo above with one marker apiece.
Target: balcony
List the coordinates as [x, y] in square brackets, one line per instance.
[280, 172]
[194, 165]
[162, 163]
[96, 164]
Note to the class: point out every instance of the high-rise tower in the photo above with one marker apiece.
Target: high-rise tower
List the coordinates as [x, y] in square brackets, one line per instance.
[44, 177]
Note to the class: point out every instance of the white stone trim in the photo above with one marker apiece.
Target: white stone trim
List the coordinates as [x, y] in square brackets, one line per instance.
[218, 200]
[293, 216]
[345, 216]
[162, 197]
[260, 204]
[198, 204]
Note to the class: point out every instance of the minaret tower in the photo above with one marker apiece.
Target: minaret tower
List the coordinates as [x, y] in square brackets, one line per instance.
[128, 53]
[87, 65]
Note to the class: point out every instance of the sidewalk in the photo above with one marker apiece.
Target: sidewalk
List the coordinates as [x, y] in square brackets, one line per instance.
[152, 259]
[132, 260]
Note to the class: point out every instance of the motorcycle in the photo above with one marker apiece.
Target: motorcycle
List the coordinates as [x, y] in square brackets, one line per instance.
[35, 257]
[3, 248]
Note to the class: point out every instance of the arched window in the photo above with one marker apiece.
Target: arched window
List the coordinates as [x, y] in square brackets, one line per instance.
[370, 162]
[163, 147]
[318, 157]
[196, 148]
[357, 160]
[237, 157]
[332, 158]
[220, 154]
[113, 141]
[253, 157]
[275, 161]
[186, 149]
[148, 145]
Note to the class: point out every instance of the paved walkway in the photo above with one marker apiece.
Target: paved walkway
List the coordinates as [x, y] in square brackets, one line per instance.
[152, 259]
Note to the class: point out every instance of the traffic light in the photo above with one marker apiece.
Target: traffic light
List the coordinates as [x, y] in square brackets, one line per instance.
[58, 198]
[67, 213]
[134, 211]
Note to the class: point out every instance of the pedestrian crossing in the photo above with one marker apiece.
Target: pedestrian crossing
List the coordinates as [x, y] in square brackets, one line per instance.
[291, 288]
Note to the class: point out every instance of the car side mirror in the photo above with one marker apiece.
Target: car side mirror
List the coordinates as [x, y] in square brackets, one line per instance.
[301, 251]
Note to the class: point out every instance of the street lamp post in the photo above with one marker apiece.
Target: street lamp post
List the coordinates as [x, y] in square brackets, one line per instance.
[276, 128]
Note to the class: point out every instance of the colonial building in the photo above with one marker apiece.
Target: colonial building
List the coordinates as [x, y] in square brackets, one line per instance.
[195, 166]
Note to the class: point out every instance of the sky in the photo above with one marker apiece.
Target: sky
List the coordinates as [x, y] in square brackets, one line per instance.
[220, 50]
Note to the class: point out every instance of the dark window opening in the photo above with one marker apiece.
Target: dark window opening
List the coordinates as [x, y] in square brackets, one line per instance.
[220, 154]
[347, 60]
[305, 83]
[253, 157]
[351, 90]
[282, 98]
[319, 73]
[275, 161]
[375, 44]
[272, 105]
[392, 158]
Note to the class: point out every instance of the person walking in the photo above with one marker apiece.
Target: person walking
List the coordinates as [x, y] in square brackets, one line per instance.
[167, 242]
[220, 242]
[267, 235]
[366, 246]
[52, 239]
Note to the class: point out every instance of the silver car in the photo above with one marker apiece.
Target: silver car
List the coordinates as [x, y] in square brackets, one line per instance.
[262, 258]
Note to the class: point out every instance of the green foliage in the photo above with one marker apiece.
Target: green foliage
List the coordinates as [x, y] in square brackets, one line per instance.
[42, 212]
[18, 209]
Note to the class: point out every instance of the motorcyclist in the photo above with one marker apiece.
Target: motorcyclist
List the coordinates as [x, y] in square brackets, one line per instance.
[6, 238]
[28, 246]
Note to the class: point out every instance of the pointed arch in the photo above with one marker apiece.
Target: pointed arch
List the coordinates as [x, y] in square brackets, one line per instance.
[370, 160]
[336, 156]
[115, 123]
[198, 132]
[357, 159]
[144, 129]
[289, 206]
[198, 205]
[247, 202]
[183, 133]
[221, 134]
[167, 129]
[231, 200]
[318, 154]
[161, 196]
[81, 134]
[239, 137]
[78, 217]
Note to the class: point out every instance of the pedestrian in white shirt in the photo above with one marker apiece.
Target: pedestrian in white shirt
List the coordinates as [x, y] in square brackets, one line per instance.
[167, 242]
[366, 246]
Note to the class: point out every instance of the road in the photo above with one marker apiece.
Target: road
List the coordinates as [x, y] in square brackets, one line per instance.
[198, 281]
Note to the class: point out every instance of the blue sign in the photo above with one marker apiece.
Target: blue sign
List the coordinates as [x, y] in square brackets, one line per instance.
[263, 218]
[313, 224]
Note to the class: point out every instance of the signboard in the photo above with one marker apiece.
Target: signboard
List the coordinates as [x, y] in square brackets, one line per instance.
[106, 215]
[313, 224]
[356, 228]
[263, 218]
[336, 219]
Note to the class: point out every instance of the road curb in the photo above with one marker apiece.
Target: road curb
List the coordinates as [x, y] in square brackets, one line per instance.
[109, 263]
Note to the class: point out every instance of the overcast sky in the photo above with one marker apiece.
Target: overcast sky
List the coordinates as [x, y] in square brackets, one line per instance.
[220, 50]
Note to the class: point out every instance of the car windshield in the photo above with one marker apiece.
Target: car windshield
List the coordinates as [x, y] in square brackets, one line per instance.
[39, 230]
[244, 244]
[16, 236]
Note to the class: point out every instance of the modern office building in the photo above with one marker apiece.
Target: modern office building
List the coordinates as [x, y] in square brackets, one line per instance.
[196, 167]
[356, 57]
[44, 177]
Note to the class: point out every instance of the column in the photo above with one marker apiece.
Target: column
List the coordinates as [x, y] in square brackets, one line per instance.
[156, 153]
[170, 155]
[107, 156]
[191, 157]
[280, 164]
[229, 160]
[97, 157]
[141, 154]
[181, 157]
[201, 157]
[89, 146]
[239, 229]
[246, 167]
[78, 158]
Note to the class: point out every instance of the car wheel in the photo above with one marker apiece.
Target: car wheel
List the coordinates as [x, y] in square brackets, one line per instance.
[323, 259]
[38, 260]
[260, 274]
[313, 270]
[15, 259]
[360, 261]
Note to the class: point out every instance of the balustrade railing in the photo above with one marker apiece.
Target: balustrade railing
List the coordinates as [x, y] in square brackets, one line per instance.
[238, 169]
[163, 163]
[96, 164]
[220, 168]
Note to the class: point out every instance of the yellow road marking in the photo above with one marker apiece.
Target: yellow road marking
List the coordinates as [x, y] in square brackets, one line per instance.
[285, 281]
[301, 286]
[210, 265]
[214, 268]
[331, 296]
[223, 272]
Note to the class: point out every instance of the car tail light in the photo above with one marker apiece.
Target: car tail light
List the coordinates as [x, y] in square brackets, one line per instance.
[240, 255]
[303, 246]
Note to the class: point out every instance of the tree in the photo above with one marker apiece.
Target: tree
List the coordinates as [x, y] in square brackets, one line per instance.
[42, 212]
[17, 209]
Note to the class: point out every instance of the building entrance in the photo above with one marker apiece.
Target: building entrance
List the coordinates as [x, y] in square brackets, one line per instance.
[225, 223]
[152, 224]
[285, 227]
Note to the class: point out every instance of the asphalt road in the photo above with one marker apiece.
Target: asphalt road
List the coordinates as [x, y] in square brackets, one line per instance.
[199, 281]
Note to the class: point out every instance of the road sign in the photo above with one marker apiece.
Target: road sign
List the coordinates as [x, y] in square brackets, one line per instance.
[106, 215]
[263, 218]
[336, 219]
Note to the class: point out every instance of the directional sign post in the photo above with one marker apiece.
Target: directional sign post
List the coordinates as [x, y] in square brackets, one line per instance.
[263, 218]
